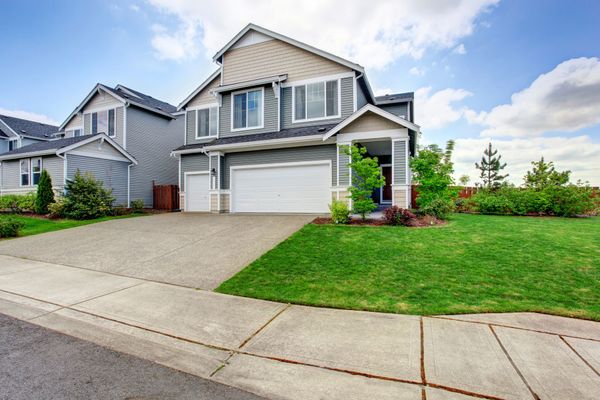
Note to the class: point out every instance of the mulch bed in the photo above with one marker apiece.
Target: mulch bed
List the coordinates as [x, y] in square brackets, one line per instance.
[421, 222]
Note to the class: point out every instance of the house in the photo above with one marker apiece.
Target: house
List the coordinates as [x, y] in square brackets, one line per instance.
[122, 136]
[18, 132]
[262, 133]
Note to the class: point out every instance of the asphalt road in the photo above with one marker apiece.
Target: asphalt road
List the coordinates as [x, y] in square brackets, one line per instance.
[37, 363]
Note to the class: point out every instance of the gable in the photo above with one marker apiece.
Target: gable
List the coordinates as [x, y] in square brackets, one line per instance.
[101, 100]
[98, 149]
[75, 122]
[204, 96]
[370, 122]
[275, 57]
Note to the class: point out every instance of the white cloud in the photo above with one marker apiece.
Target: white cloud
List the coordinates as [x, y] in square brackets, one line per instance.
[565, 99]
[417, 71]
[578, 154]
[437, 110]
[460, 49]
[177, 45]
[134, 7]
[382, 91]
[44, 119]
[373, 34]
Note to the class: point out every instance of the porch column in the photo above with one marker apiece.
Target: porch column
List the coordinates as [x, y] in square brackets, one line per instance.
[400, 173]
[343, 180]
[219, 200]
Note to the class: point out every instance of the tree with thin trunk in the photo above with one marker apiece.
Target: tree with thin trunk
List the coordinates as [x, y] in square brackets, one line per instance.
[490, 168]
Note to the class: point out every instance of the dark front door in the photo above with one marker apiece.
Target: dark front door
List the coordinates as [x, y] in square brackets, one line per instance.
[386, 191]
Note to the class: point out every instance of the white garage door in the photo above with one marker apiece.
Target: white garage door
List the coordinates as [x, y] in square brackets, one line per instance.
[196, 192]
[281, 188]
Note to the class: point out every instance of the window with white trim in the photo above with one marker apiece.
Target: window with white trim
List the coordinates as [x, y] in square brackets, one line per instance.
[24, 167]
[36, 170]
[12, 145]
[104, 122]
[75, 132]
[248, 109]
[318, 100]
[207, 122]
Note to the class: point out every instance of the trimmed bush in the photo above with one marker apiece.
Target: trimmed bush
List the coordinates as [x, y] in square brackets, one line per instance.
[398, 216]
[340, 213]
[57, 209]
[439, 208]
[10, 227]
[86, 198]
[18, 202]
[45, 194]
[137, 206]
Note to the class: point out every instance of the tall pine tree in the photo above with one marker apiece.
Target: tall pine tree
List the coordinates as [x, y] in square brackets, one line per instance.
[490, 168]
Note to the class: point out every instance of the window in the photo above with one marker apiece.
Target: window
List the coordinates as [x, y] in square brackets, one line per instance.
[76, 132]
[248, 110]
[207, 122]
[12, 144]
[25, 172]
[104, 122]
[317, 100]
[36, 170]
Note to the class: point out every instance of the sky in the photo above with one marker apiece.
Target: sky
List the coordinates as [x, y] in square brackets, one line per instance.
[523, 75]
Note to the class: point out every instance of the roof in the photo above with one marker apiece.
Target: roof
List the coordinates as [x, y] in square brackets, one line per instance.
[3, 134]
[256, 137]
[199, 89]
[29, 128]
[144, 99]
[46, 146]
[395, 98]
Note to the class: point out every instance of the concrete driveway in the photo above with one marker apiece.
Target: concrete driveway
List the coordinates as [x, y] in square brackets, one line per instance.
[193, 250]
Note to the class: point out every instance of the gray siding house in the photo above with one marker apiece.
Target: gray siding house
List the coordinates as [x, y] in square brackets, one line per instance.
[17, 132]
[262, 133]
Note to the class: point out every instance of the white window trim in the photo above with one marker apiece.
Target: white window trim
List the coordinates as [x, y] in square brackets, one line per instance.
[31, 168]
[107, 119]
[21, 172]
[326, 117]
[204, 107]
[262, 120]
[73, 129]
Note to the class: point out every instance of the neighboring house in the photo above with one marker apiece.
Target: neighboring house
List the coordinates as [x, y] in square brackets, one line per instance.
[262, 132]
[18, 132]
[20, 169]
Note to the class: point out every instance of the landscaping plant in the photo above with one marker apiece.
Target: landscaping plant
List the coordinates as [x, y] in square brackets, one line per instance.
[366, 177]
[86, 198]
[490, 168]
[137, 206]
[45, 194]
[10, 227]
[544, 175]
[18, 202]
[395, 215]
[340, 213]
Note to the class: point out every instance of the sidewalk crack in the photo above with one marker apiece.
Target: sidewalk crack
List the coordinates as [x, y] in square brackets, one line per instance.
[264, 326]
[579, 355]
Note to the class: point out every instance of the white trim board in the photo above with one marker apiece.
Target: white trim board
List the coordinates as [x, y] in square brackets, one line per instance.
[232, 111]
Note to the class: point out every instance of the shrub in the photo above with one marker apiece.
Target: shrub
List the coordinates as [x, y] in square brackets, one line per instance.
[86, 198]
[137, 206]
[571, 200]
[432, 170]
[340, 213]
[10, 227]
[57, 209]
[18, 202]
[118, 211]
[439, 208]
[45, 194]
[398, 216]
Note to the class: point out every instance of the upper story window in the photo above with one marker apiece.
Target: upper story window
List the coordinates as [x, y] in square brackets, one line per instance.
[248, 109]
[313, 101]
[104, 122]
[207, 122]
[30, 170]
[12, 145]
[75, 132]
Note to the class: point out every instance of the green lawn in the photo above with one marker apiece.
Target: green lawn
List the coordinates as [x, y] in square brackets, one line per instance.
[34, 225]
[473, 264]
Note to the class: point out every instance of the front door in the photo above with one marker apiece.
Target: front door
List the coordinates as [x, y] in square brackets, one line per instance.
[386, 190]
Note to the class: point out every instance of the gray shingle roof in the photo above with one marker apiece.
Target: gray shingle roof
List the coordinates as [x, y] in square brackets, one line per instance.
[49, 146]
[282, 134]
[397, 97]
[143, 99]
[3, 134]
[30, 128]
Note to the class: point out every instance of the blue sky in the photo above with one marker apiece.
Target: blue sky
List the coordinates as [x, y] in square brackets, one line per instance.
[522, 74]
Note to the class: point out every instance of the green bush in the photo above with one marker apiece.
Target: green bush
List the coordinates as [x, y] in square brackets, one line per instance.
[440, 208]
[340, 213]
[137, 206]
[10, 227]
[572, 200]
[18, 202]
[57, 209]
[86, 198]
[45, 194]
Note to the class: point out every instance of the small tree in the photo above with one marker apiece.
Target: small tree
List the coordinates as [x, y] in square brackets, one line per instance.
[86, 197]
[45, 194]
[432, 170]
[365, 178]
[544, 175]
[490, 168]
[464, 180]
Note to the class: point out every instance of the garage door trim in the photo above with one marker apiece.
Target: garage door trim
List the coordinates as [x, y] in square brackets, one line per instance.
[185, 179]
[272, 165]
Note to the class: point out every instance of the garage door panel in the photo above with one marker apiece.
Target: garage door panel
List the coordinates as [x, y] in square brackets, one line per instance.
[297, 188]
[196, 195]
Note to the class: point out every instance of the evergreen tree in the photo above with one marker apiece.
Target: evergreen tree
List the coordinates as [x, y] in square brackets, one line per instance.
[544, 175]
[490, 168]
[45, 194]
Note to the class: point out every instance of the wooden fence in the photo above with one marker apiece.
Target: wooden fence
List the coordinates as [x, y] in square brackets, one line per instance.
[165, 197]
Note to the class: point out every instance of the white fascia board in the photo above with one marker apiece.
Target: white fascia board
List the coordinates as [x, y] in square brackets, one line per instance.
[269, 143]
[95, 90]
[199, 89]
[247, 84]
[100, 136]
[10, 130]
[18, 156]
[188, 151]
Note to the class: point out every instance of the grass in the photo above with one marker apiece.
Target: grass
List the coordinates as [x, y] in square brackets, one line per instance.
[36, 225]
[473, 264]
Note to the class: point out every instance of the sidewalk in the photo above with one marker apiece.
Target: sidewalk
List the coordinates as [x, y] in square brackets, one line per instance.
[295, 352]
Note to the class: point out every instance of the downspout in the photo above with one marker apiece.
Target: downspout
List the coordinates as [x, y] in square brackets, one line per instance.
[129, 185]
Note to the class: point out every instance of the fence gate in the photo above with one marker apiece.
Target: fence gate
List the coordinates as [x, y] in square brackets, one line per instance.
[165, 197]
